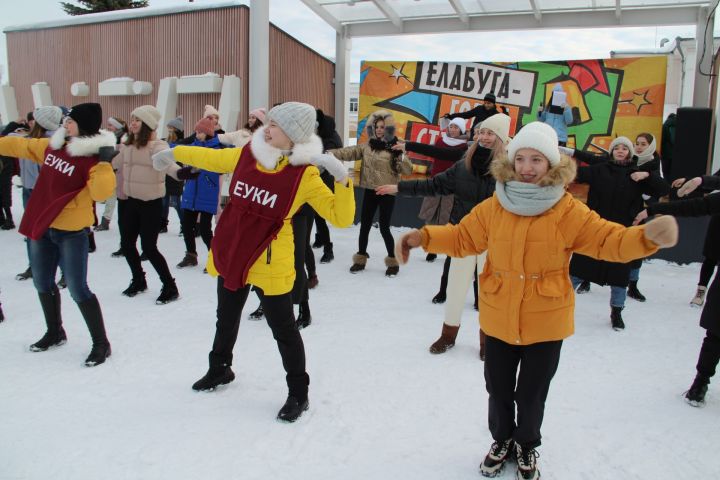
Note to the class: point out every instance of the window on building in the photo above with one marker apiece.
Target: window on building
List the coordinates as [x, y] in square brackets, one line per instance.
[354, 104]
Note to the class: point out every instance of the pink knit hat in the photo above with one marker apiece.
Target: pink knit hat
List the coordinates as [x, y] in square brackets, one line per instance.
[259, 113]
[205, 125]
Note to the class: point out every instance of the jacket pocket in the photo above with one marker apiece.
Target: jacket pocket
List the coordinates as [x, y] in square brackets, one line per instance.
[554, 286]
[490, 282]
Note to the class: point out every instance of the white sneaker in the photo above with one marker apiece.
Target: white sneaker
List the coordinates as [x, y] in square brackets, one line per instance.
[699, 298]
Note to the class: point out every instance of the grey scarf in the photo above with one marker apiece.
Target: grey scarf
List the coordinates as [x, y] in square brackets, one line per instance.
[527, 199]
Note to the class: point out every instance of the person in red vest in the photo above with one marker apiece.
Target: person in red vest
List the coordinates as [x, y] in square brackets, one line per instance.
[76, 172]
[273, 176]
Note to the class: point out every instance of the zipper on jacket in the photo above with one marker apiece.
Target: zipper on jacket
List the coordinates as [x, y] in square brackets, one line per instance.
[269, 253]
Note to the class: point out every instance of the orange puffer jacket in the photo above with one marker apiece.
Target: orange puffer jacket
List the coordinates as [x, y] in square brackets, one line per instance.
[525, 291]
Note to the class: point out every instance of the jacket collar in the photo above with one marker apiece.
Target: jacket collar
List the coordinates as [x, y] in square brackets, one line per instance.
[269, 156]
[82, 146]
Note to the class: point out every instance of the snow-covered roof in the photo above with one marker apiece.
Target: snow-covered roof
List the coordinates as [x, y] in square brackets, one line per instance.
[120, 15]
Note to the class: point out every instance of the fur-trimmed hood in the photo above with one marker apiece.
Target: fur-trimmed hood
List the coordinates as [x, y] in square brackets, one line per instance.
[389, 125]
[561, 174]
[269, 156]
[82, 146]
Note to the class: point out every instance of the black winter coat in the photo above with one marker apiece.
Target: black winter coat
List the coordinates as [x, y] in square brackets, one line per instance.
[697, 207]
[469, 188]
[618, 198]
[480, 113]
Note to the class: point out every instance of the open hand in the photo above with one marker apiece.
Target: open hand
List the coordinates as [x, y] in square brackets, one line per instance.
[640, 217]
[386, 189]
[400, 145]
[678, 182]
[639, 176]
[408, 241]
[689, 186]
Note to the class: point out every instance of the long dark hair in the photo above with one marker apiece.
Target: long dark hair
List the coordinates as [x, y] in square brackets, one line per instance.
[37, 131]
[142, 138]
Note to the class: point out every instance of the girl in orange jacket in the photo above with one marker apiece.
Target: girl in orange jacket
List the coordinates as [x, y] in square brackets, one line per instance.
[530, 227]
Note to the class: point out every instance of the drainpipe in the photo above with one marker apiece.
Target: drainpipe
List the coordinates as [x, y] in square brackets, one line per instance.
[682, 68]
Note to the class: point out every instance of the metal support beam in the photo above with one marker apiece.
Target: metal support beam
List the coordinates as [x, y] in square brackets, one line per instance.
[460, 10]
[631, 17]
[343, 47]
[389, 12]
[320, 11]
[536, 10]
[703, 57]
[618, 9]
[259, 55]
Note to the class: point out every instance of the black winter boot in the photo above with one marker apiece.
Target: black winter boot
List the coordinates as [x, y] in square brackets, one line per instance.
[616, 319]
[103, 226]
[304, 318]
[584, 287]
[26, 275]
[696, 395]
[92, 314]
[168, 293]
[137, 285]
[62, 284]
[55, 335]
[258, 314]
[2, 315]
[189, 260]
[440, 297]
[328, 255]
[118, 253]
[292, 409]
[218, 374]
[634, 293]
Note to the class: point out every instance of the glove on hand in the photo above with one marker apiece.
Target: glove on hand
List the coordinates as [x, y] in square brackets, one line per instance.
[106, 154]
[162, 160]
[187, 173]
[408, 241]
[331, 164]
[662, 231]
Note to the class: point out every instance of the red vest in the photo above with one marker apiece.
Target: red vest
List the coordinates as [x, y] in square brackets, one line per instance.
[259, 203]
[61, 178]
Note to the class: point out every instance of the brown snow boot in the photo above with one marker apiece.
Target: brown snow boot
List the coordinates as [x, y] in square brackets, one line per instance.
[393, 267]
[446, 340]
[359, 262]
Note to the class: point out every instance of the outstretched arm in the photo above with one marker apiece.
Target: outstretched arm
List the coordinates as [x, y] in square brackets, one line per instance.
[20, 147]
[338, 208]
[212, 160]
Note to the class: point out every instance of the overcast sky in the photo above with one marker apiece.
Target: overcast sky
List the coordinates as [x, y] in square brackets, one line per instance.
[299, 21]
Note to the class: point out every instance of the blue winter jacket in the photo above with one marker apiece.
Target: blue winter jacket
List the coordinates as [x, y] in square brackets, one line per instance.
[557, 121]
[201, 194]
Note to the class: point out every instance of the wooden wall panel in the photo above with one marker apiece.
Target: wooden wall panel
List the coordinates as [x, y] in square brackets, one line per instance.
[150, 48]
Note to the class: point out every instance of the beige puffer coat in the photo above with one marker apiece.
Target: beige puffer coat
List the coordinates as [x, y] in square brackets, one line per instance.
[139, 179]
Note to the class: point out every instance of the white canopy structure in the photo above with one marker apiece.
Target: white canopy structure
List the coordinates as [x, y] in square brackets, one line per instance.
[364, 18]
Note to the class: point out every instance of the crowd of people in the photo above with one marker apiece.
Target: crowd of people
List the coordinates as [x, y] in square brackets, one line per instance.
[496, 205]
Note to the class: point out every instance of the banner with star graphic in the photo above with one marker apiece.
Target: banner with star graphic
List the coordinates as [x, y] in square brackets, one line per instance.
[609, 98]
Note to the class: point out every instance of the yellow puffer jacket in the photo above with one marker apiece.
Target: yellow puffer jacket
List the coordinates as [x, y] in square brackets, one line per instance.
[277, 277]
[525, 291]
[79, 213]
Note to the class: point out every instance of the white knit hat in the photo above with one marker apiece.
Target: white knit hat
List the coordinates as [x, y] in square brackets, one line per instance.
[499, 124]
[49, 117]
[538, 136]
[296, 119]
[622, 141]
[149, 115]
[210, 110]
[460, 123]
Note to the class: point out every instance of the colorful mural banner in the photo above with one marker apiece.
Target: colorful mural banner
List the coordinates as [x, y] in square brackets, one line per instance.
[609, 98]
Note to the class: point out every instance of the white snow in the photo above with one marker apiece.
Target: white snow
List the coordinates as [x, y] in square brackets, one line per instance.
[381, 407]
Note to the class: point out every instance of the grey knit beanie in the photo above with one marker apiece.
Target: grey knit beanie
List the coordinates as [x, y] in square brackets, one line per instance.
[49, 117]
[296, 119]
[177, 123]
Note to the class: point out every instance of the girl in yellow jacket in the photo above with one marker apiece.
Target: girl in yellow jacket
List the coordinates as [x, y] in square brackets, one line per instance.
[530, 227]
[75, 173]
[253, 243]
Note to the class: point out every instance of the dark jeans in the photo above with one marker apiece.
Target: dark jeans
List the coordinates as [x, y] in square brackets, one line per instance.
[301, 234]
[6, 174]
[189, 224]
[171, 201]
[706, 271]
[281, 319]
[69, 250]
[538, 363]
[709, 355]
[371, 203]
[142, 219]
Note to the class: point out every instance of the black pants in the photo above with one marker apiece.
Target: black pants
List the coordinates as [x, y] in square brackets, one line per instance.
[7, 169]
[709, 355]
[538, 363]
[706, 271]
[322, 232]
[144, 219]
[371, 203]
[281, 319]
[189, 224]
[301, 235]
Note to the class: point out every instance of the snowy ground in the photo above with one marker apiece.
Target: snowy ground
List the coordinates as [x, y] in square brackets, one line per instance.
[381, 406]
